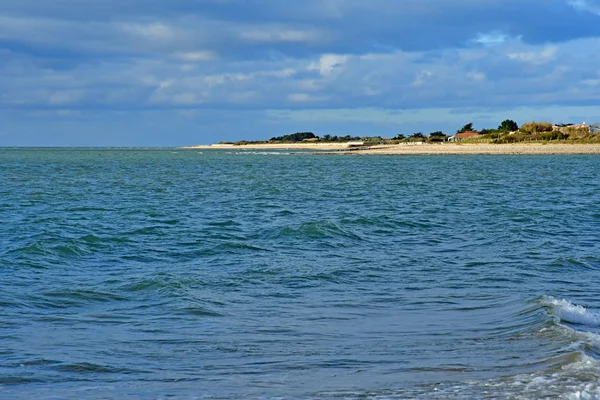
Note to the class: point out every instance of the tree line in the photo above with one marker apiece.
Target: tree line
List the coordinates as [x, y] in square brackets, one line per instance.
[508, 131]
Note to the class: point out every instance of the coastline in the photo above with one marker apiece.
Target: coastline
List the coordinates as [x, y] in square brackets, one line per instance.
[423, 149]
[273, 146]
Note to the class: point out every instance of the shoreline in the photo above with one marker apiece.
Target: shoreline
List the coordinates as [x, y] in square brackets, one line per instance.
[423, 149]
[272, 146]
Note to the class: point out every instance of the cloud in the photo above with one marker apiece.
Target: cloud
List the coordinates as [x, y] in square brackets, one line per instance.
[535, 57]
[239, 56]
[279, 34]
[329, 63]
[299, 97]
[491, 38]
[476, 76]
[154, 31]
[586, 5]
[196, 56]
[65, 97]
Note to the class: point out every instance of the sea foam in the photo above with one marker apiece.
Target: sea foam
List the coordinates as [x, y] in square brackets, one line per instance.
[573, 313]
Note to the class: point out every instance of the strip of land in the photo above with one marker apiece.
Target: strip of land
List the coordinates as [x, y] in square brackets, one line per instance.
[425, 148]
[274, 146]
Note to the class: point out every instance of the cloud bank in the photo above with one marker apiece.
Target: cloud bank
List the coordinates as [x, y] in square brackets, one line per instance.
[69, 66]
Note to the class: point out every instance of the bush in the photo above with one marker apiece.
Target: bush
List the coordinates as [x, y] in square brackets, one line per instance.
[556, 135]
[508, 139]
[372, 139]
[571, 130]
[536, 127]
[491, 133]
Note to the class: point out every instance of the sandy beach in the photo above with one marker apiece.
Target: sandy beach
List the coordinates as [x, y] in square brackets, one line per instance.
[443, 148]
[274, 146]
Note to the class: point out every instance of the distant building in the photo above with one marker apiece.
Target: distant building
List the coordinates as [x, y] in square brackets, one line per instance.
[562, 127]
[462, 136]
[581, 126]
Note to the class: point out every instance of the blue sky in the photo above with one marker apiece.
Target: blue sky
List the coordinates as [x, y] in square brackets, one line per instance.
[178, 72]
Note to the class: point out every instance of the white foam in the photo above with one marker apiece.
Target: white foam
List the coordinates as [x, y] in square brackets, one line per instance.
[590, 392]
[576, 314]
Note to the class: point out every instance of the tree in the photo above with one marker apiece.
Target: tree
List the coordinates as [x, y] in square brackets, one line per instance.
[417, 135]
[508, 125]
[467, 128]
[437, 136]
[399, 137]
[294, 137]
[437, 133]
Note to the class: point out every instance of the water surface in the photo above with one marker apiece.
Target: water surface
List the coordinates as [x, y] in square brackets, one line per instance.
[223, 274]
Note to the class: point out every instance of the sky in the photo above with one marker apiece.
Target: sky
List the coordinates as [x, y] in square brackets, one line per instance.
[182, 72]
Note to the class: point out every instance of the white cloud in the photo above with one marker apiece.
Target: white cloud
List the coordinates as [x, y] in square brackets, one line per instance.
[585, 5]
[154, 31]
[491, 38]
[329, 63]
[165, 84]
[299, 97]
[423, 77]
[65, 97]
[284, 73]
[196, 56]
[279, 34]
[535, 57]
[476, 76]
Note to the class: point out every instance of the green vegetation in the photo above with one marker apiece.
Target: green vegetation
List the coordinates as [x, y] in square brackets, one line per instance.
[467, 128]
[536, 127]
[507, 132]
[508, 125]
[338, 139]
[490, 132]
[437, 136]
[294, 137]
[545, 131]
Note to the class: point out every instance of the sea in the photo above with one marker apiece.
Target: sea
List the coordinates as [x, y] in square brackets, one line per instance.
[224, 274]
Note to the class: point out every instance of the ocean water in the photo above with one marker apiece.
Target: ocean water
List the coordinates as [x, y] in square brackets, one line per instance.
[165, 273]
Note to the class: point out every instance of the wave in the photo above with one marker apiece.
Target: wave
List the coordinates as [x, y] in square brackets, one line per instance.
[323, 229]
[566, 311]
[577, 379]
[571, 372]
[88, 367]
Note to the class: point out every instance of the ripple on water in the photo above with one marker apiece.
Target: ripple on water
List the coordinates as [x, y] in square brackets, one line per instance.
[129, 273]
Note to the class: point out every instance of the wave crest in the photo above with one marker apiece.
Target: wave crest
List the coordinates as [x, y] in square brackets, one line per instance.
[572, 313]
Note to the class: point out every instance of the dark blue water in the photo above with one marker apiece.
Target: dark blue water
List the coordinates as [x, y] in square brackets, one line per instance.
[186, 274]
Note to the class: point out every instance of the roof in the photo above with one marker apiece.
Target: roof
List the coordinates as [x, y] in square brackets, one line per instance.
[465, 135]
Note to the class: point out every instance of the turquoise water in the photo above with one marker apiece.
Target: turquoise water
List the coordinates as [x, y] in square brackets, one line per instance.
[196, 274]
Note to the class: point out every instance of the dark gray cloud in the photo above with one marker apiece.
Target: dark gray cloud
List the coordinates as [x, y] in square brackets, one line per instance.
[342, 26]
